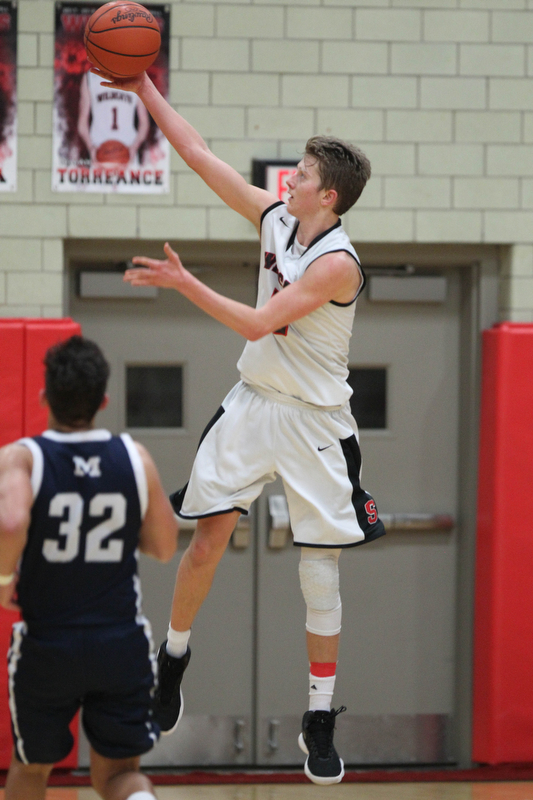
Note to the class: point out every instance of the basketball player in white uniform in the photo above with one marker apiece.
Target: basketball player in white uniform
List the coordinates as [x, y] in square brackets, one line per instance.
[289, 414]
[106, 115]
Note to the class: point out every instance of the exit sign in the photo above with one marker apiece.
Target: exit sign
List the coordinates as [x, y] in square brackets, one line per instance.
[272, 176]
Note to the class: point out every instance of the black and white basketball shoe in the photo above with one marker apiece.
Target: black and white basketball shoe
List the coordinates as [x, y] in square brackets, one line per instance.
[322, 765]
[168, 697]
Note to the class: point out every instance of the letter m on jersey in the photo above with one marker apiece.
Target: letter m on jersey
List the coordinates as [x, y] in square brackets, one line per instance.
[89, 467]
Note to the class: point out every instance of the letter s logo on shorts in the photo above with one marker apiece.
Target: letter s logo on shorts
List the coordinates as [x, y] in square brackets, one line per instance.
[371, 512]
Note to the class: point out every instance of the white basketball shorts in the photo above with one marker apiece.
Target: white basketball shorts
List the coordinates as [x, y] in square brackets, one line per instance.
[252, 438]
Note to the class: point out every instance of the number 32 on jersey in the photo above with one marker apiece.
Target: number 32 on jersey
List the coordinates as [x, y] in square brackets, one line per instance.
[73, 504]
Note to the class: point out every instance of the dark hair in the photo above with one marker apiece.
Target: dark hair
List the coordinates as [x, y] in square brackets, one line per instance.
[75, 380]
[342, 167]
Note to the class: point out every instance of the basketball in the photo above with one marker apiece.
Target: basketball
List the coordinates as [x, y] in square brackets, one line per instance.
[122, 38]
[113, 152]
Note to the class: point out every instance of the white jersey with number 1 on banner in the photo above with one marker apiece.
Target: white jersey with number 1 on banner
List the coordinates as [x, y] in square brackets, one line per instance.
[112, 113]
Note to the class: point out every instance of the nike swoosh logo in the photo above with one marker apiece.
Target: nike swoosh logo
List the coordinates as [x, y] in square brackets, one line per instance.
[324, 448]
[282, 219]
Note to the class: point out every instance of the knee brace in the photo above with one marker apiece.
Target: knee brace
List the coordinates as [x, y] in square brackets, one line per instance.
[319, 580]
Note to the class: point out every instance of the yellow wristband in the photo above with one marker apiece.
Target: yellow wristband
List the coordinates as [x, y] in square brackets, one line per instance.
[5, 580]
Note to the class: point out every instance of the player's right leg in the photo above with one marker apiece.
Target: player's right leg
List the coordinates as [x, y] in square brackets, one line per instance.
[232, 465]
[119, 778]
[198, 566]
[26, 781]
[193, 582]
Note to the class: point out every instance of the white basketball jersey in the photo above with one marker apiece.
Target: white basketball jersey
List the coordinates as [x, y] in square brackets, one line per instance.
[112, 112]
[308, 360]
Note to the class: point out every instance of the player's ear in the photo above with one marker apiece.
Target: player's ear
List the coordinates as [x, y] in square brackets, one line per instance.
[42, 398]
[330, 198]
[104, 402]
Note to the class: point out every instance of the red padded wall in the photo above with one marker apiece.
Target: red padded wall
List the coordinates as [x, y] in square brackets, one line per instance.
[23, 344]
[11, 380]
[503, 639]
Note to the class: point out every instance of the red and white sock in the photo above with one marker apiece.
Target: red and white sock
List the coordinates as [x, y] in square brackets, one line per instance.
[321, 685]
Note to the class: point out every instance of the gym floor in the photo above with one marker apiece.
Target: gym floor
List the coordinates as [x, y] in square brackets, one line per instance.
[522, 790]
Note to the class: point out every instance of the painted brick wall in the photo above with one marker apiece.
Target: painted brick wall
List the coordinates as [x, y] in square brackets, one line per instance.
[437, 92]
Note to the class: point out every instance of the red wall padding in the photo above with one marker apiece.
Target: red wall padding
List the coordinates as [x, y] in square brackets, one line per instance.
[11, 380]
[503, 640]
[23, 344]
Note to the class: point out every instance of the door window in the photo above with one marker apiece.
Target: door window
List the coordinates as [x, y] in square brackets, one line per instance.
[154, 396]
[369, 399]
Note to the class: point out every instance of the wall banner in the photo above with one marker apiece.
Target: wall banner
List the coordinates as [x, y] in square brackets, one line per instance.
[104, 140]
[8, 96]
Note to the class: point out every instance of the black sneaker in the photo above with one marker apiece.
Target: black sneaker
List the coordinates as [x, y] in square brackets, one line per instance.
[168, 698]
[322, 764]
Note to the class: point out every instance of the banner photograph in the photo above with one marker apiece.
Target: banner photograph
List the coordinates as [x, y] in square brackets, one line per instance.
[104, 140]
[8, 97]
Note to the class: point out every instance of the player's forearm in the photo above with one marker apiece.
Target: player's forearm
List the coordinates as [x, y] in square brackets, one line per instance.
[15, 505]
[11, 549]
[14, 523]
[182, 136]
[238, 316]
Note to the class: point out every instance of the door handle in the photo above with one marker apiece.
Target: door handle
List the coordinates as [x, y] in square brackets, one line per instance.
[418, 522]
[279, 523]
[238, 740]
[273, 729]
[240, 538]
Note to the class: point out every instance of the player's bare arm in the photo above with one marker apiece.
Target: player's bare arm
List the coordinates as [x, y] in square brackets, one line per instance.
[84, 116]
[226, 182]
[16, 499]
[142, 131]
[158, 536]
[334, 276]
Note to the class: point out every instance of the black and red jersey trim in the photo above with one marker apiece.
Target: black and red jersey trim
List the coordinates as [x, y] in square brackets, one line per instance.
[269, 209]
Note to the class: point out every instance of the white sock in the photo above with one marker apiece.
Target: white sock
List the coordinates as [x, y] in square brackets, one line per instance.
[141, 796]
[177, 642]
[320, 692]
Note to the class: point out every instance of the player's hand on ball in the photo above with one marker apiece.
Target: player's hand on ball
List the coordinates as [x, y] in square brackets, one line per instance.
[169, 274]
[132, 84]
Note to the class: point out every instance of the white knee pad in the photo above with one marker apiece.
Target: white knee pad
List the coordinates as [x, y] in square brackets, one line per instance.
[319, 579]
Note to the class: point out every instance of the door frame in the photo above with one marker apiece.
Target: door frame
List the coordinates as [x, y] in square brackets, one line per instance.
[480, 270]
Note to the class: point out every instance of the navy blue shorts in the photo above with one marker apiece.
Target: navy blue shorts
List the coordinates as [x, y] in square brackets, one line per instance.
[107, 671]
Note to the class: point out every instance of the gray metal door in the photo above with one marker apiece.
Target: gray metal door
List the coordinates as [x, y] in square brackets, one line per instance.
[396, 668]
[168, 331]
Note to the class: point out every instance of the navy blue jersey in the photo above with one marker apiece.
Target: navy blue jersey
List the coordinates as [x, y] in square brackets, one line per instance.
[79, 566]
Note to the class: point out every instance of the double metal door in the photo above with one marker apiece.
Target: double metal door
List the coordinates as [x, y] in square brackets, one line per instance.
[246, 687]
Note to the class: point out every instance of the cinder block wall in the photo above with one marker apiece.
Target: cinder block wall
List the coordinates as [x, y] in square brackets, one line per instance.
[437, 92]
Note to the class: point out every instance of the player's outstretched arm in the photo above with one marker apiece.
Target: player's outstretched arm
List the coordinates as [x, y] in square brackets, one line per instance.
[16, 500]
[226, 182]
[334, 276]
[158, 536]
[84, 114]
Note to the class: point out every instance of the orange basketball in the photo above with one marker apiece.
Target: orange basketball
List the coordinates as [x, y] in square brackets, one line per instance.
[113, 152]
[122, 38]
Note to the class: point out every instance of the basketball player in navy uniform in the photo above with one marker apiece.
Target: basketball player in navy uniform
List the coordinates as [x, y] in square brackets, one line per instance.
[289, 415]
[76, 505]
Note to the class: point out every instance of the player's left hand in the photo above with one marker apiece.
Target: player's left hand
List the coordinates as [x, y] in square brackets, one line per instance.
[8, 594]
[132, 84]
[170, 273]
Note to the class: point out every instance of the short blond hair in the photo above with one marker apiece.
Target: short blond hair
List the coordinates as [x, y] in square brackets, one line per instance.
[341, 166]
